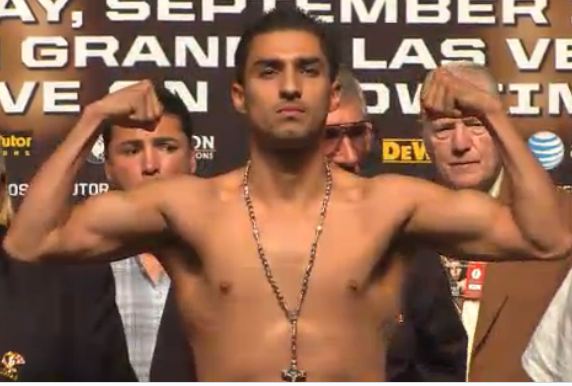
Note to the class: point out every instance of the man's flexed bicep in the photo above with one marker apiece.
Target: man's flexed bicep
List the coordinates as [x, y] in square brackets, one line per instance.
[470, 224]
[46, 225]
[532, 225]
[105, 227]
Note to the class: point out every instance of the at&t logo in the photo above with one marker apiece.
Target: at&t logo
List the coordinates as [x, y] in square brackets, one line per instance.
[548, 148]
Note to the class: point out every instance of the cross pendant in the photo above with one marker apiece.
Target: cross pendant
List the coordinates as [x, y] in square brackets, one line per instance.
[293, 374]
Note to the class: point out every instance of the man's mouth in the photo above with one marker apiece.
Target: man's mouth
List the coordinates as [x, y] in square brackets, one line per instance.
[464, 163]
[290, 110]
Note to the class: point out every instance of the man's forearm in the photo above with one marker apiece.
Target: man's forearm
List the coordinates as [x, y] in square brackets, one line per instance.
[47, 201]
[534, 200]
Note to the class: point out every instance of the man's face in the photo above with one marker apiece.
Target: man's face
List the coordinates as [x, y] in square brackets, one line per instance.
[455, 270]
[348, 136]
[136, 155]
[287, 91]
[462, 149]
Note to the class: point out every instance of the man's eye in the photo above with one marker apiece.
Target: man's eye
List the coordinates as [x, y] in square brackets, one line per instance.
[310, 70]
[169, 147]
[129, 150]
[267, 71]
[478, 129]
[332, 133]
[442, 132]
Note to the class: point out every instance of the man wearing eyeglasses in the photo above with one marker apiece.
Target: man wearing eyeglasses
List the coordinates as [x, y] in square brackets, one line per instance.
[349, 143]
[429, 343]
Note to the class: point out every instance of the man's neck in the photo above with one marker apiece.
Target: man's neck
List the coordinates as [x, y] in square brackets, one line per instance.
[152, 267]
[494, 190]
[293, 177]
[491, 187]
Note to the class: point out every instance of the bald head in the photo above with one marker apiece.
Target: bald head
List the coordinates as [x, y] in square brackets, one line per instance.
[349, 134]
[351, 92]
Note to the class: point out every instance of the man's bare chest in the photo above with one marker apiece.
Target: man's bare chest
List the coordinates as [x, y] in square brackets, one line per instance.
[351, 248]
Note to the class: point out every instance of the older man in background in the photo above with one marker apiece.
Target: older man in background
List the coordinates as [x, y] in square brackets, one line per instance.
[500, 305]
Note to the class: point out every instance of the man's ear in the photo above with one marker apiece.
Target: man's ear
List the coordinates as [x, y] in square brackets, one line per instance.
[237, 96]
[107, 170]
[369, 137]
[335, 96]
[193, 162]
[426, 136]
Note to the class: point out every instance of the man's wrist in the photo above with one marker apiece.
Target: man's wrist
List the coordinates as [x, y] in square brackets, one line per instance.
[494, 113]
[92, 116]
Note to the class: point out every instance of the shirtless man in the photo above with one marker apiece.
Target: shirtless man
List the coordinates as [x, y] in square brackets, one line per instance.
[285, 86]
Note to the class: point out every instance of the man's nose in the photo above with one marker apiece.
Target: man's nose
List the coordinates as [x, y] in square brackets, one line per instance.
[290, 87]
[461, 140]
[347, 155]
[150, 161]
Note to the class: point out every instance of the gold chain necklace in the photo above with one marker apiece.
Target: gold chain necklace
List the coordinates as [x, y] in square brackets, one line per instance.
[292, 373]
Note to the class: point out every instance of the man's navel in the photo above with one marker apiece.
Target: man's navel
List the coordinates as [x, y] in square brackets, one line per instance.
[225, 287]
[353, 286]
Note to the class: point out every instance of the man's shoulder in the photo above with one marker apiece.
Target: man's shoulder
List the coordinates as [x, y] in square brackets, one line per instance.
[401, 186]
[229, 180]
[186, 194]
[390, 195]
[183, 184]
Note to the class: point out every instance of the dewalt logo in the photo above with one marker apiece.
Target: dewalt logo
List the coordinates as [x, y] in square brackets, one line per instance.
[16, 145]
[404, 151]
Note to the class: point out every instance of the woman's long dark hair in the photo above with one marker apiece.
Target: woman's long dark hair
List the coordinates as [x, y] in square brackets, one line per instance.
[6, 210]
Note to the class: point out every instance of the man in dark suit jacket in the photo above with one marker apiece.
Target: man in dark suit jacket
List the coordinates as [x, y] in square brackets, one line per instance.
[429, 343]
[173, 358]
[60, 324]
[57, 323]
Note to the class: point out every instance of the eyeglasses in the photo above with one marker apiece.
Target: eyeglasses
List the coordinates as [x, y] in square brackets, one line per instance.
[356, 132]
[351, 130]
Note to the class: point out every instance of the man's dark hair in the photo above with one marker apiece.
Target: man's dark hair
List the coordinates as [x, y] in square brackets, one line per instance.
[173, 105]
[283, 19]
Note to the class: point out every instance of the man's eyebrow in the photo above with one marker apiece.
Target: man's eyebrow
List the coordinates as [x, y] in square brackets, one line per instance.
[309, 60]
[130, 142]
[164, 139]
[442, 121]
[266, 62]
[275, 62]
[472, 120]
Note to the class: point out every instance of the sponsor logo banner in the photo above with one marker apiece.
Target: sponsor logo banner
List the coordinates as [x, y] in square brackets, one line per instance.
[204, 146]
[548, 149]
[16, 145]
[404, 151]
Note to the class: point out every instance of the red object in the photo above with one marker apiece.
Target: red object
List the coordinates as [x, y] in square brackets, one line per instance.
[475, 279]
